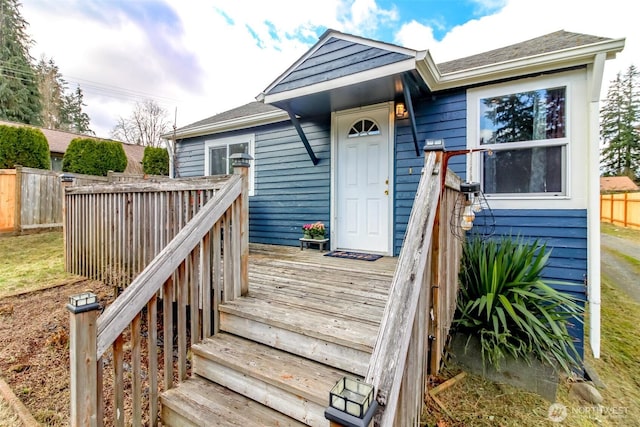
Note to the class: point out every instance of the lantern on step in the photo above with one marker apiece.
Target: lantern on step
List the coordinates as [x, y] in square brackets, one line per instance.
[351, 403]
[471, 213]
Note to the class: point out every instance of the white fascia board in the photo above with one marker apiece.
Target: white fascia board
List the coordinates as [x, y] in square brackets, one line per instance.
[544, 62]
[233, 124]
[353, 79]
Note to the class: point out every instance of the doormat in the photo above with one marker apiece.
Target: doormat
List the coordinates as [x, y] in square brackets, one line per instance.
[353, 255]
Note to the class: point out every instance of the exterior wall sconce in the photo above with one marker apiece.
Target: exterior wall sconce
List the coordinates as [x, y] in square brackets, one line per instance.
[471, 211]
[401, 110]
[351, 403]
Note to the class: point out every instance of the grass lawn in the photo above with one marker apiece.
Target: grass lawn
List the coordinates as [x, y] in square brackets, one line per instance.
[31, 262]
[617, 231]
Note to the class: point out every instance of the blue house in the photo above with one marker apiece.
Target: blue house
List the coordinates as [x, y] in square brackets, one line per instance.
[339, 138]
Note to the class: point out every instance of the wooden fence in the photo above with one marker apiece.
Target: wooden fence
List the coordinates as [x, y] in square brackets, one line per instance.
[621, 209]
[425, 284]
[31, 199]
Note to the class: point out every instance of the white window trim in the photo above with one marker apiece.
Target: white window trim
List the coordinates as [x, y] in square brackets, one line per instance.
[238, 139]
[574, 174]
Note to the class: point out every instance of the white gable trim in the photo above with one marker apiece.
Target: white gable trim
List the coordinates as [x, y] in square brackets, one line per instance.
[353, 79]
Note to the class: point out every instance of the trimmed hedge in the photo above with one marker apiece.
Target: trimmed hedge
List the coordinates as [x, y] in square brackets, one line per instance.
[23, 146]
[155, 161]
[93, 157]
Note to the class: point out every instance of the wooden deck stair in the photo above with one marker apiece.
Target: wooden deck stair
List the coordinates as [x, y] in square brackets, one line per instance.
[307, 321]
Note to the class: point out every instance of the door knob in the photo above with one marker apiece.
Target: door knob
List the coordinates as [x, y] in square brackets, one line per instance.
[386, 192]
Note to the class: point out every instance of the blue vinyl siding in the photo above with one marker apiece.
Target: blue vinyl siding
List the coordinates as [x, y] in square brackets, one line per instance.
[336, 58]
[438, 116]
[290, 190]
[190, 157]
[565, 233]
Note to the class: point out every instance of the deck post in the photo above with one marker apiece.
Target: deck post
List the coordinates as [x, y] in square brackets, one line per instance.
[83, 317]
[65, 181]
[241, 167]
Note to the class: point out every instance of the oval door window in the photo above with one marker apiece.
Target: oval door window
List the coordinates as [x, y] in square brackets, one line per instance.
[363, 127]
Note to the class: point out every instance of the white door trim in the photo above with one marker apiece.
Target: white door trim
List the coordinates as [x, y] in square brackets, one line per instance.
[334, 171]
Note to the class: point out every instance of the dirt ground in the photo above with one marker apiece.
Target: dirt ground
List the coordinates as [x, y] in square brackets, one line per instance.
[36, 366]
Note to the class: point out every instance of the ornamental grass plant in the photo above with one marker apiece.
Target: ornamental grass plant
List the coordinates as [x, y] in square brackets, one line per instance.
[504, 301]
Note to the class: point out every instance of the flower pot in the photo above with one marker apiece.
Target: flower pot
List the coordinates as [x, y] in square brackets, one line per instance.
[318, 237]
[307, 236]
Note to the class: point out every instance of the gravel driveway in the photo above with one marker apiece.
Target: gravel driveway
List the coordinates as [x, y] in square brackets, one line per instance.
[618, 268]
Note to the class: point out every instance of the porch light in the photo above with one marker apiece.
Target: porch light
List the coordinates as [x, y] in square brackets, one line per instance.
[471, 205]
[351, 403]
[401, 110]
[240, 159]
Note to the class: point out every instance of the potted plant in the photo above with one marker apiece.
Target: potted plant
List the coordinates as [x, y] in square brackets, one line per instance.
[505, 304]
[316, 231]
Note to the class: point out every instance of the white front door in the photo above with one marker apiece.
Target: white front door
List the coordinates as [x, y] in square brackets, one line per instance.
[362, 182]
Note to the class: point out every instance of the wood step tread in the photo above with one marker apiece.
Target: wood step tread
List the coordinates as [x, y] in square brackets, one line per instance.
[199, 402]
[321, 325]
[293, 374]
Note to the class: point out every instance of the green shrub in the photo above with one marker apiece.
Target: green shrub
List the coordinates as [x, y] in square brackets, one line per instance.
[155, 161]
[23, 146]
[94, 157]
[505, 303]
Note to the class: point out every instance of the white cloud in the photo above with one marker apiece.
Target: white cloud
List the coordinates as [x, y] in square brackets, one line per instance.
[220, 54]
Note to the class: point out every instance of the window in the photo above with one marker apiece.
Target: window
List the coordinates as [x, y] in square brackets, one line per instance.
[526, 133]
[364, 127]
[217, 159]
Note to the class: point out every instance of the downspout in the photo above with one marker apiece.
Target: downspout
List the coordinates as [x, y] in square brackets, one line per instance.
[593, 205]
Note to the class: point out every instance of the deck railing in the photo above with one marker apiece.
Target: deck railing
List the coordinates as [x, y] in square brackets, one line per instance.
[113, 231]
[424, 285]
[200, 267]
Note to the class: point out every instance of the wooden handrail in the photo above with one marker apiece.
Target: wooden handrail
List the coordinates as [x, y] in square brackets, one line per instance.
[122, 312]
[387, 364]
[181, 274]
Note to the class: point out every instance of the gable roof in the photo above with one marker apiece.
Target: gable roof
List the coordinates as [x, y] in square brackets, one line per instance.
[59, 142]
[254, 112]
[615, 184]
[553, 42]
[342, 71]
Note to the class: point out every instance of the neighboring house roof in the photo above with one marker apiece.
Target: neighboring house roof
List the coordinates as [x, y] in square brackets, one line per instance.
[615, 184]
[341, 70]
[59, 141]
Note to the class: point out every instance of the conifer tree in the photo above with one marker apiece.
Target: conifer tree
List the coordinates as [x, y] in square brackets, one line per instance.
[619, 126]
[19, 95]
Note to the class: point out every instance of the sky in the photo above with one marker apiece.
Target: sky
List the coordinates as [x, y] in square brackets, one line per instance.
[198, 58]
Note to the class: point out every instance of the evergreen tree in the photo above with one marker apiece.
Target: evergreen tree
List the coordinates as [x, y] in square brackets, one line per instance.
[74, 118]
[60, 110]
[52, 87]
[619, 121]
[19, 95]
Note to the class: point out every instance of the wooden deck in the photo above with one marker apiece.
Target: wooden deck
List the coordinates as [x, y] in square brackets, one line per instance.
[307, 320]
